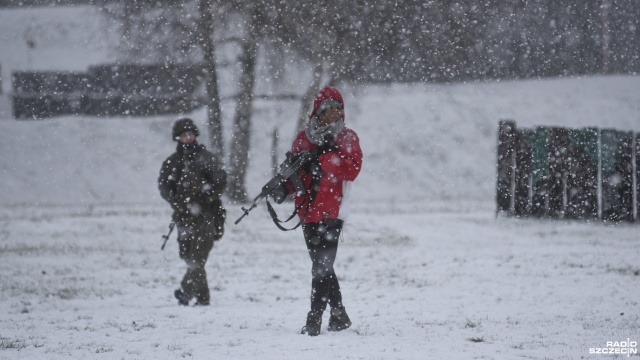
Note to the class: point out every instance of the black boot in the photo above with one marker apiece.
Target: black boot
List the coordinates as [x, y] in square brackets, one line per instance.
[314, 322]
[183, 299]
[202, 300]
[339, 319]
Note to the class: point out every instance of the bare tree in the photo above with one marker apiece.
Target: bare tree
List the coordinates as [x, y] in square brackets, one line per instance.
[175, 32]
[307, 99]
[321, 34]
[205, 36]
[337, 60]
[606, 5]
[241, 140]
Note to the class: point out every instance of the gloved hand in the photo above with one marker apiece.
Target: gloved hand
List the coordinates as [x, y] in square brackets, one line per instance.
[186, 206]
[179, 204]
[209, 197]
[326, 146]
[315, 169]
[195, 208]
[279, 194]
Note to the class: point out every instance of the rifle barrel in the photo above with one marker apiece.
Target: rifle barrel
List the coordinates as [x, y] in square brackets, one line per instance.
[166, 237]
[246, 212]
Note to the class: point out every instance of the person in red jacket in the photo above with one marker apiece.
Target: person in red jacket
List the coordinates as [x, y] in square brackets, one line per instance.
[340, 161]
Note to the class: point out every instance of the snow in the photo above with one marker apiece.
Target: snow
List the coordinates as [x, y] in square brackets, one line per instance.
[426, 268]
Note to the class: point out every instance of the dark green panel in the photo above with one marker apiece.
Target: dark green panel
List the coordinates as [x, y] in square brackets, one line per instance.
[612, 141]
[586, 140]
[537, 139]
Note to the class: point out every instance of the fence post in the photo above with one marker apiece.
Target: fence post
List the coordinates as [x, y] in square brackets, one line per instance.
[274, 152]
[599, 176]
[523, 156]
[627, 150]
[558, 147]
[505, 186]
[634, 175]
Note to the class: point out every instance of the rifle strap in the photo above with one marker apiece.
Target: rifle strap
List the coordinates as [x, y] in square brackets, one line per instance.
[277, 221]
[299, 187]
[312, 194]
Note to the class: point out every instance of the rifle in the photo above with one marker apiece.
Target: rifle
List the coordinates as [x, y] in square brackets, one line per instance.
[287, 170]
[166, 237]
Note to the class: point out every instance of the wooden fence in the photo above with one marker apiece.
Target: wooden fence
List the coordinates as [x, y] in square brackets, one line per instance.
[561, 173]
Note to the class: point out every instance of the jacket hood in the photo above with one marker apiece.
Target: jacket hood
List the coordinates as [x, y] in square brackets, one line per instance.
[327, 92]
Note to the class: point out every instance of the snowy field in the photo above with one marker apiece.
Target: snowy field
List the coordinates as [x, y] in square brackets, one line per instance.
[427, 270]
[82, 282]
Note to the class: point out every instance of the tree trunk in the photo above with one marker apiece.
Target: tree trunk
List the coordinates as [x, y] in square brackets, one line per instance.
[306, 103]
[212, 96]
[241, 140]
[606, 5]
[344, 42]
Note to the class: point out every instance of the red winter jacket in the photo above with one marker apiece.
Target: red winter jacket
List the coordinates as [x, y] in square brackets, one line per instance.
[337, 167]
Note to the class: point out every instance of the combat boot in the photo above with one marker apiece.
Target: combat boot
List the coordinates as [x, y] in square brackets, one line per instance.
[202, 300]
[314, 322]
[183, 299]
[339, 319]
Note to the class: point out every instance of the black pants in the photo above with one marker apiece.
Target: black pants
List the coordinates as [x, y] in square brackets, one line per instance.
[322, 240]
[195, 239]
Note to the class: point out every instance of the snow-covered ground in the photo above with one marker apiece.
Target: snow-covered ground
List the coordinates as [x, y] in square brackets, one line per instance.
[91, 282]
[427, 270]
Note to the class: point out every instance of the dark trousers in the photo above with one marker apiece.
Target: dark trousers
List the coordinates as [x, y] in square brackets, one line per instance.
[195, 239]
[322, 240]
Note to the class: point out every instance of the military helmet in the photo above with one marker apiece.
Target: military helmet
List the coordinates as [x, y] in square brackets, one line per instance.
[182, 125]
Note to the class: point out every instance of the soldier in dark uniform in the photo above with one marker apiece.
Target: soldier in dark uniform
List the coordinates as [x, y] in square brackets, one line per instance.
[192, 180]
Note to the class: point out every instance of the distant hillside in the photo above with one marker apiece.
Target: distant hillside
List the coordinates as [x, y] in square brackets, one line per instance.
[422, 143]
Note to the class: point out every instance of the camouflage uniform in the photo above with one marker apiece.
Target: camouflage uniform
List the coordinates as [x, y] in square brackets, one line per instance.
[192, 180]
